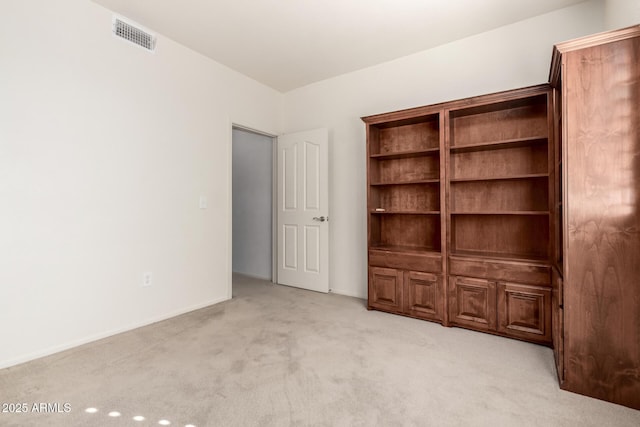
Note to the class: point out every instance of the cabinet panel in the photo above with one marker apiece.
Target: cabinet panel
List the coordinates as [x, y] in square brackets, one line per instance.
[472, 303]
[601, 85]
[524, 312]
[507, 271]
[423, 295]
[406, 260]
[385, 288]
[558, 325]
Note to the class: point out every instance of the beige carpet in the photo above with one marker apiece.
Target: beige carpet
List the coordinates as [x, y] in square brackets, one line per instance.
[279, 356]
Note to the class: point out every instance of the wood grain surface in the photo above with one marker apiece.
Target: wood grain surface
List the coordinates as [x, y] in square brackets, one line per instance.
[602, 273]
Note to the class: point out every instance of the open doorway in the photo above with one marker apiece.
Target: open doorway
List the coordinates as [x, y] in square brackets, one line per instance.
[280, 212]
[253, 251]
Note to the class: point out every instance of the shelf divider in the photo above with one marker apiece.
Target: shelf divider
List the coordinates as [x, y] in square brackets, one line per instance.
[501, 178]
[405, 154]
[422, 181]
[500, 213]
[497, 145]
[397, 212]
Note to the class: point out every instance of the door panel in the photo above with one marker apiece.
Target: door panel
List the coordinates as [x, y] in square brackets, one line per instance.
[385, 288]
[473, 303]
[423, 295]
[303, 210]
[312, 243]
[312, 157]
[289, 184]
[290, 247]
[524, 312]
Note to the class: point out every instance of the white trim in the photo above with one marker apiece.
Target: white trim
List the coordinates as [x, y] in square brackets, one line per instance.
[347, 293]
[252, 130]
[230, 126]
[86, 340]
[274, 209]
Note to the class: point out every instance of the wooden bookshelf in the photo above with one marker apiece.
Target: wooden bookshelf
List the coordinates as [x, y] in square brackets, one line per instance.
[459, 212]
[515, 214]
[405, 216]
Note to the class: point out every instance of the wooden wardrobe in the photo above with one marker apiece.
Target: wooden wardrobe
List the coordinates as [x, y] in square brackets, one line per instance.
[517, 214]
[596, 274]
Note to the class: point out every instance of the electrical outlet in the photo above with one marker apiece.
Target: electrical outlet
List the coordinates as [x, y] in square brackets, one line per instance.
[203, 202]
[146, 278]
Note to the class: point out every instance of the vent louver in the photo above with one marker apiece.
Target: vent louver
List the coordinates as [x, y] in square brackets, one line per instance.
[133, 34]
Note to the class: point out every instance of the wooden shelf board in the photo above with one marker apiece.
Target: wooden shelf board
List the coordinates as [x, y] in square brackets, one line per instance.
[502, 178]
[422, 181]
[497, 145]
[405, 154]
[501, 257]
[501, 213]
[421, 250]
[396, 212]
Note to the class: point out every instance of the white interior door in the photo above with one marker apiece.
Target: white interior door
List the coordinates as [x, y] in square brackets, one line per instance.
[303, 210]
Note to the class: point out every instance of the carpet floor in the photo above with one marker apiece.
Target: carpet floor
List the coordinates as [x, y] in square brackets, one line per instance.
[280, 356]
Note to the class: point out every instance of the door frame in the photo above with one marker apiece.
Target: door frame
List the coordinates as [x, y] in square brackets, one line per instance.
[274, 201]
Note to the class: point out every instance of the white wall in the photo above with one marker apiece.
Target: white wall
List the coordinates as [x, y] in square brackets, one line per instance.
[513, 56]
[621, 13]
[252, 204]
[104, 152]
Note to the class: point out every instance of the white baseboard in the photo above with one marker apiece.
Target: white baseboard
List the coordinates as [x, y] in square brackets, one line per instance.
[76, 343]
[347, 293]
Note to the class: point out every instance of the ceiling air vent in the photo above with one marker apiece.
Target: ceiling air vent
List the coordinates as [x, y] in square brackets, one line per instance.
[133, 34]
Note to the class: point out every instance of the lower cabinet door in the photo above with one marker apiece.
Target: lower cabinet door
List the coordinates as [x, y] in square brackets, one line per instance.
[524, 311]
[472, 303]
[385, 288]
[423, 295]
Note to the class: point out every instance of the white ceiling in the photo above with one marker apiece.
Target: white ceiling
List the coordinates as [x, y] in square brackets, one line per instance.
[287, 44]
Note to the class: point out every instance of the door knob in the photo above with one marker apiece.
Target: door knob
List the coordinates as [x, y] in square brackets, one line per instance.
[321, 219]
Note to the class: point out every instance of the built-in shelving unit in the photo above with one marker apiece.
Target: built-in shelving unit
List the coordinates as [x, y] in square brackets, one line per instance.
[404, 214]
[499, 178]
[515, 214]
[459, 213]
[404, 184]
